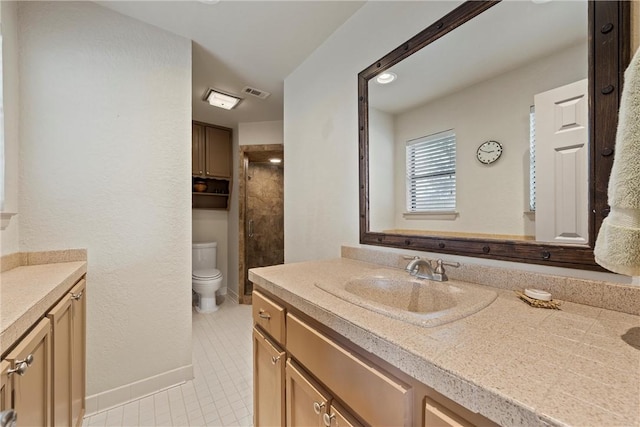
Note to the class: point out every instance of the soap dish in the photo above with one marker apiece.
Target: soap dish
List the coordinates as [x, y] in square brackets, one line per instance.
[538, 303]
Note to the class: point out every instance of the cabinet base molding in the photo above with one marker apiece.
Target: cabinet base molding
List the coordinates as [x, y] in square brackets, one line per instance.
[120, 395]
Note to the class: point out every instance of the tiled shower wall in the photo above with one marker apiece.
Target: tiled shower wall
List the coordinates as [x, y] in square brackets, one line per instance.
[265, 207]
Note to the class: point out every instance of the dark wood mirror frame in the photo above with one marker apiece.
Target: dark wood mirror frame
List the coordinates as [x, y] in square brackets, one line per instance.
[609, 54]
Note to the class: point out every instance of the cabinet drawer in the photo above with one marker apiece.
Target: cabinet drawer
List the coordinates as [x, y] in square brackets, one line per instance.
[376, 397]
[270, 316]
[436, 415]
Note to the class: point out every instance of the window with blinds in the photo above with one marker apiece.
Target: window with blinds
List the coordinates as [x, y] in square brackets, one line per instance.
[431, 173]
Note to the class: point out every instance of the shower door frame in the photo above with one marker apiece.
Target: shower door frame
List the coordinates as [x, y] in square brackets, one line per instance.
[245, 152]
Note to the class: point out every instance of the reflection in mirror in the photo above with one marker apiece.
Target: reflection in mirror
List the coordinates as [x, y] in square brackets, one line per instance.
[516, 74]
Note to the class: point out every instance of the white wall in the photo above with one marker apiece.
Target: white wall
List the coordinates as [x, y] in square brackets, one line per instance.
[321, 132]
[9, 237]
[105, 125]
[321, 126]
[382, 164]
[496, 109]
[249, 133]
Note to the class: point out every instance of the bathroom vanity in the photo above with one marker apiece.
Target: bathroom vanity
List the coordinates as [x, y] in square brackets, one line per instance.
[42, 339]
[320, 359]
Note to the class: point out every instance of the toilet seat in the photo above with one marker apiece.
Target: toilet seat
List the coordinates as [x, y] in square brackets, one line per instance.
[207, 274]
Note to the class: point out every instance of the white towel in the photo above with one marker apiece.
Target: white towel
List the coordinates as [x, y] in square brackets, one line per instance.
[618, 243]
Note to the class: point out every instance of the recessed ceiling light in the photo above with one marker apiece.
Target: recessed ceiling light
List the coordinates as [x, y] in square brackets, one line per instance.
[275, 160]
[209, 1]
[386, 78]
[540, 1]
[222, 100]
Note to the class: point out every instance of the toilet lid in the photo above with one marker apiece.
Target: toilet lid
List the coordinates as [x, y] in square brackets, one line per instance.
[209, 273]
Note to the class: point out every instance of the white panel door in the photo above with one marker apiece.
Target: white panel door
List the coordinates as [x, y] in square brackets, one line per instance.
[562, 173]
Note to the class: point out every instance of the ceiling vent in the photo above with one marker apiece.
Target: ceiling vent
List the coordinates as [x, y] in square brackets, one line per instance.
[255, 92]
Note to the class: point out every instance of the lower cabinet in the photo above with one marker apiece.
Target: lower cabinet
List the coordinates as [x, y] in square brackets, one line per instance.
[43, 377]
[327, 381]
[78, 352]
[436, 415]
[268, 382]
[308, 404]
[68, 357]
[31, 376]
[5, 386]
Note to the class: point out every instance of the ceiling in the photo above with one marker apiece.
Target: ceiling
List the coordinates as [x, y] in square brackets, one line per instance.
[243, 43]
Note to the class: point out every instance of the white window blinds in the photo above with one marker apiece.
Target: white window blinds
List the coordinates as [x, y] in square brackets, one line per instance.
[431, 173]
[532, 158]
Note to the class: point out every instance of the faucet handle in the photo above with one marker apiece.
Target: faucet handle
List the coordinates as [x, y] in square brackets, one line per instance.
[409, 257]
[440, 266]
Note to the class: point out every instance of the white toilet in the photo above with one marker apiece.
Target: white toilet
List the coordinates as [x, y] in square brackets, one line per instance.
[205, 278]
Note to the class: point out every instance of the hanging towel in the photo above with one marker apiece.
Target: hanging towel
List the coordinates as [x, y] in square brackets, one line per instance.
[618, 243]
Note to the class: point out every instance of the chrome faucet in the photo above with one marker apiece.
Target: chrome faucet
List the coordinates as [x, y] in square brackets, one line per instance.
[438, 274]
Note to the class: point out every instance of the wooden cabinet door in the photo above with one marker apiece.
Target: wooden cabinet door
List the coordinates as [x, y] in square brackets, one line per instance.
[307, 402]
[5, 386]
[339, 417]
[197, 149]
[62, 342]
[268, 382]
[436, 415]
[217, 152]
[31, 391]
[78, 351]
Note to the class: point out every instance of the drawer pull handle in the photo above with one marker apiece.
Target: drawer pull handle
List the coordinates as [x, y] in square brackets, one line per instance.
[20, 369]
[76, 296]
[274, 359]
[264, 315]
[317, 407]
[327, 419]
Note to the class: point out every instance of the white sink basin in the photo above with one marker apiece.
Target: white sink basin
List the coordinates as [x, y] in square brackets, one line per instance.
[427, 303]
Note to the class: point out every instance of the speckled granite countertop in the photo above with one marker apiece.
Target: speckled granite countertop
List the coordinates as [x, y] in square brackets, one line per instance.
[514, 364]
[26, 292]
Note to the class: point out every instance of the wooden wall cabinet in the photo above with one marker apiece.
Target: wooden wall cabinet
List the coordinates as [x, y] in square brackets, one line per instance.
[330, 382]
[211, 165]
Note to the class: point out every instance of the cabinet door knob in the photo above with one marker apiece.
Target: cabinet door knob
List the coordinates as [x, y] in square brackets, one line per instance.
[76, 296]
[327, 419]
[274, 359]
[317, 407]
[264, 315]
[8, 418]
[28, 360]
[20, 369]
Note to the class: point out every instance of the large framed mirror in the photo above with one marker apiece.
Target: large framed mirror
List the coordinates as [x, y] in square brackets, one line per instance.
[496, 138]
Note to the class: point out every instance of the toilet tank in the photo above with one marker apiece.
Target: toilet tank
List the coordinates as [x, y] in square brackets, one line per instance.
[203, 255]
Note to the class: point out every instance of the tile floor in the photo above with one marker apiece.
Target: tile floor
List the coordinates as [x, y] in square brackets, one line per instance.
[221, 394]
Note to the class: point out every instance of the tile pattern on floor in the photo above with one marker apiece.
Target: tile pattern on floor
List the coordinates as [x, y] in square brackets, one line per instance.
[221, 393]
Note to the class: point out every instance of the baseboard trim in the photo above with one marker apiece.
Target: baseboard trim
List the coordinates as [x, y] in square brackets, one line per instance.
[137, 390]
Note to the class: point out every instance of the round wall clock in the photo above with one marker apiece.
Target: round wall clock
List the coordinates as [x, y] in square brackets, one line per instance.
[489, 152]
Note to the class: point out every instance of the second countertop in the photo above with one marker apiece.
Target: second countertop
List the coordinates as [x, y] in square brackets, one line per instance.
[27, 292]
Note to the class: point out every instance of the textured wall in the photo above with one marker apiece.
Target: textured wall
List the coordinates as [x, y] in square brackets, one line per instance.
[9, 17]
[321, 126]
[105, 160]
